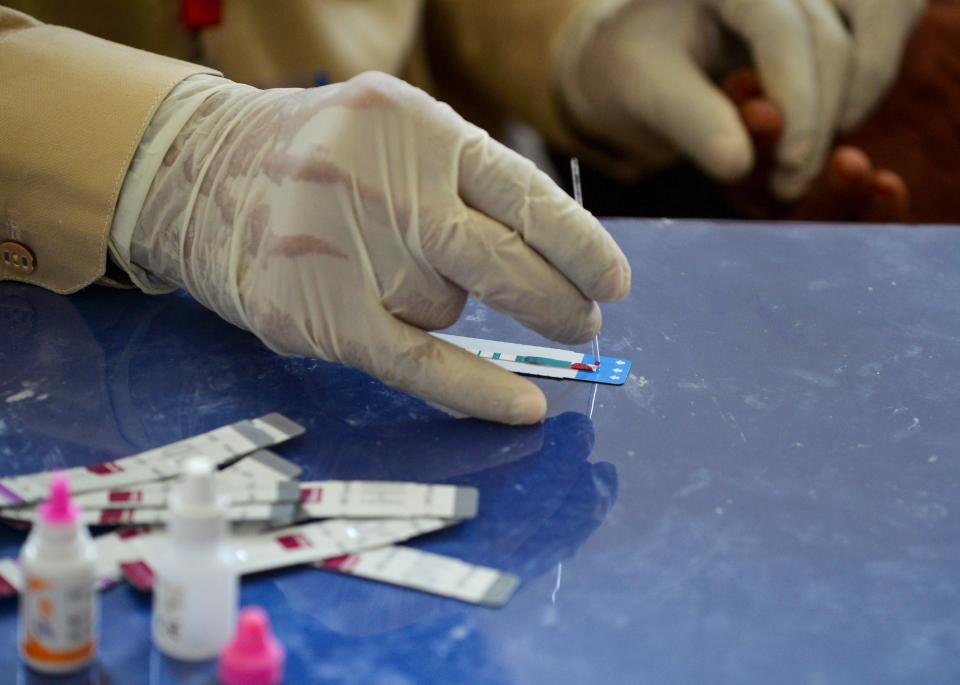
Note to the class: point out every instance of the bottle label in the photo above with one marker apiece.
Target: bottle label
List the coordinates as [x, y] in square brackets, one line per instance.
[169, 602]
[58, 621]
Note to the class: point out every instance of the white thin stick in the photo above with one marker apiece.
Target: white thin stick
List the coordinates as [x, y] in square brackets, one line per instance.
[578, 196]
[575, 173]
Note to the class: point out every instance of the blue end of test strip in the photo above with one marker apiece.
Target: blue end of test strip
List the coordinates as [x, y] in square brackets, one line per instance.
[612, 370]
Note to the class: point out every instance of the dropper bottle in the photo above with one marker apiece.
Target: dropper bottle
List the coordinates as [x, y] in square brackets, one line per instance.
[254, 656]
[195, 594]
[58, 605]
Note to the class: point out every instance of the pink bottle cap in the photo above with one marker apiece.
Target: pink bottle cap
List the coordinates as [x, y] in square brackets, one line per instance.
[59, 509]
[253, 657]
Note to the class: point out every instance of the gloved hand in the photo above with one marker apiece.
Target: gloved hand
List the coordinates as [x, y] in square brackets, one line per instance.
[342, 222]
[637, 74]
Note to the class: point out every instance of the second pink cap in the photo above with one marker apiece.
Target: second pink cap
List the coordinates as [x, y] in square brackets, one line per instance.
[253, 657]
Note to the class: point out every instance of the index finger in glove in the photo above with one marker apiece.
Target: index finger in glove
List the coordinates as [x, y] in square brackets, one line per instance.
[683, 105]
[832, 58]
[495, 264]
[408, 359]
[779, 39]
[510, 189]
[881, 29]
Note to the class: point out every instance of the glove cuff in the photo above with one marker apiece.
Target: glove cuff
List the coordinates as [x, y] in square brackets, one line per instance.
[126, 230]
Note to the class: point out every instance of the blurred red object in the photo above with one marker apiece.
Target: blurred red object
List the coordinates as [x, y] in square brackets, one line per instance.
[199, 14]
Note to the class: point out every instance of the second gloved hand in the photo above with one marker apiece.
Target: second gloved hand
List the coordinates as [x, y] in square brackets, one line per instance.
[342, 222]
[638, 75]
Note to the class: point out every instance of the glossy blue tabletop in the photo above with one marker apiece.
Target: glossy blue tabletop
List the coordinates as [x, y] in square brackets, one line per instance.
[773, 497]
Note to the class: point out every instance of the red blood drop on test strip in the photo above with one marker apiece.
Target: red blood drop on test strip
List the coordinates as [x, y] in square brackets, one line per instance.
[138, 574]
[105, 469]
[6, 588]
[345, 563]
[311, 495]
[582, 367]
[294, 541]
[113, 517]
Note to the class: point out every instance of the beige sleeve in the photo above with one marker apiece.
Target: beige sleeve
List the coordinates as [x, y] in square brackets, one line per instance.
[72, 111]
[257, 44]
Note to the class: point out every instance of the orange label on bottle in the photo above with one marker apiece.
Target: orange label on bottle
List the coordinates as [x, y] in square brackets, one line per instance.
[35, 650]
[35, 584]
[58, 621]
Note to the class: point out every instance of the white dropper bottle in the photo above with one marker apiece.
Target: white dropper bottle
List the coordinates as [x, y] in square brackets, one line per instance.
[58, 606]
[195, 594]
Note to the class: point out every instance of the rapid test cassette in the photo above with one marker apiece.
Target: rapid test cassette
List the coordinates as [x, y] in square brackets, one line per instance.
[548, 362]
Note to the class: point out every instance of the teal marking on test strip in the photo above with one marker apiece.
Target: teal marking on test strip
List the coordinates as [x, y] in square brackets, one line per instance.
[610, 370]
[543, 361]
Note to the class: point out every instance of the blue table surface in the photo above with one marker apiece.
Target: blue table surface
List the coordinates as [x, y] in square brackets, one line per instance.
[773, 497]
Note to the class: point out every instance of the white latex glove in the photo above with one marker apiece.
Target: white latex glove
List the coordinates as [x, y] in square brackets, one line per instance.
[637, 74]
[342, 222]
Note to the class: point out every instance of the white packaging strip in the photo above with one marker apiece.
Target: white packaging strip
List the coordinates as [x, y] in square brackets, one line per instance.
[276, 513]
[304, 544]
[375, 499]
[427, 572]
[261, 477]
[312, 542]
[112, 552]
[319, 499]
[222, 445]
[263, 466]
[11, 577]
[154, 496]
[142, 496]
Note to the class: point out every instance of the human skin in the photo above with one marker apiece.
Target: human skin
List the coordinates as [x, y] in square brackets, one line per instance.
[850, 187]
[901, 165]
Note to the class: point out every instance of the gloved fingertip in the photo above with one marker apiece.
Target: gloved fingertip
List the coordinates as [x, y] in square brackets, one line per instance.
[614, 285]
[850, 119]
[527, 407]
[626, 280]
[594, 322]
[728, 157]
[795, 151]
[577, 329]
[789, 187]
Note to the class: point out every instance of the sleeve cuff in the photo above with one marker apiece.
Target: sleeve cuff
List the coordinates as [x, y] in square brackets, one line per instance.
[171, 116]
